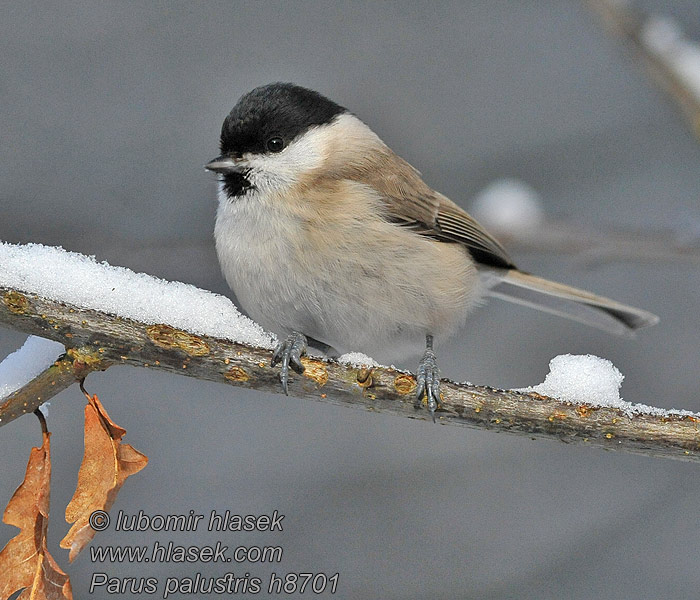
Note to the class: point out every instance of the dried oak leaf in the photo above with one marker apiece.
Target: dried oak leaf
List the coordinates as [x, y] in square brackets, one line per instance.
[106, 465]
[24, 561]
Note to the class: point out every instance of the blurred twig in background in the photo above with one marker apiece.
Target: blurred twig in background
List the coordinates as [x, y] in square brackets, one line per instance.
[593, 247]
[514, 212]
[673, 60]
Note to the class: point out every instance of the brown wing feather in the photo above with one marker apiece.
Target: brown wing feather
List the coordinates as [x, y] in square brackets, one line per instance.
[411, 202]
[364, 158]
[455, 223]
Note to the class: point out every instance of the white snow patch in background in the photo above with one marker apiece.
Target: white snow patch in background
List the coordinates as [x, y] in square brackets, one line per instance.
[23, 365]
[588, 379]
[357, 359]
[82, 281]
[508, 204]
[661, 34]
[664, 37]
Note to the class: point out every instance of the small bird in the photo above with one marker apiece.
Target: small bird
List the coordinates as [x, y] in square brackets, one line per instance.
[331, 240]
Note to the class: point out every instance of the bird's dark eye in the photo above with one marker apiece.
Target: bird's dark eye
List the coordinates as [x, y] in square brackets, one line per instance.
[275, 144]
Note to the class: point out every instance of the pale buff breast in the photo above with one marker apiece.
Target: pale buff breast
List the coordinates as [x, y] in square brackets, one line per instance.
[340, 273]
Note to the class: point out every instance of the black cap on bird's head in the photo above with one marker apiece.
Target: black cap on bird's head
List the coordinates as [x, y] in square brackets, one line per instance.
[268, 118]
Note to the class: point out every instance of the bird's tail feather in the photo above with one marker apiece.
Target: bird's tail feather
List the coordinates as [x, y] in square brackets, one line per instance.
[566, 301]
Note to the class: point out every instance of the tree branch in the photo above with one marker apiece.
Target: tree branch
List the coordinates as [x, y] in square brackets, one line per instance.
[96, 340]
[68, 369]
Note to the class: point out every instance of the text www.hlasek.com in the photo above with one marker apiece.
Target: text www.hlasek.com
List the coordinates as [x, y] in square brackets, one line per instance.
[166, 553]
[199, 583]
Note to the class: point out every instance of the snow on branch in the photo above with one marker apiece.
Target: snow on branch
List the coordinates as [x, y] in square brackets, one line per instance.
[106, 316]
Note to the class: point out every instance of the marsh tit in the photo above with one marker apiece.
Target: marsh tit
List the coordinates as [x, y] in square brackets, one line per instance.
[329, 239]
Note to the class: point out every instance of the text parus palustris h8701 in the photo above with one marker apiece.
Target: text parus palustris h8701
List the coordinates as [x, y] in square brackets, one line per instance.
[328, 238]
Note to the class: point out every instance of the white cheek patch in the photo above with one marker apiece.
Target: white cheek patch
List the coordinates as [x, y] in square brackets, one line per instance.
[304, 155]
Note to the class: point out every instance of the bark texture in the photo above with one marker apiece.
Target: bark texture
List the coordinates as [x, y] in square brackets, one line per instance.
[96, 341]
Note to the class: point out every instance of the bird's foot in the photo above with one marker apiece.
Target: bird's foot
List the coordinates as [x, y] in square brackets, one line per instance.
[428, 381]
[289, 352]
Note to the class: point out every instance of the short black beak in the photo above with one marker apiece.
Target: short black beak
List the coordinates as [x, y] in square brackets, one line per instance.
[223, 164]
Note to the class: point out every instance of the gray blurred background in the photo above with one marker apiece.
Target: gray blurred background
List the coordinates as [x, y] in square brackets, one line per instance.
[108, 112]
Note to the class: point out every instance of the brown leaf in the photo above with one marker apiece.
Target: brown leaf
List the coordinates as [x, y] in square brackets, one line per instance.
[24, 561]
[106, 465]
